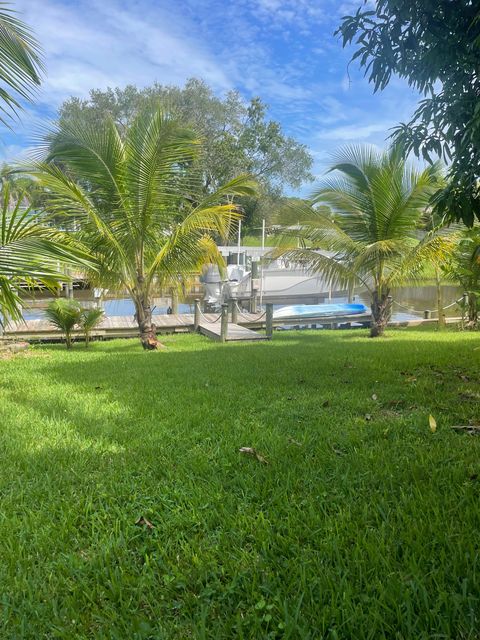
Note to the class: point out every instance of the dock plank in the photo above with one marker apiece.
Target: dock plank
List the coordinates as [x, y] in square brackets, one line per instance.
[235, 332]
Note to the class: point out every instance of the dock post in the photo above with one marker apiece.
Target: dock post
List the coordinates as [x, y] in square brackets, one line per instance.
[253, 301]
[224, 323]
[269, 320]
[174, 301]
[233, 302]
[196, 316]
[427, 314]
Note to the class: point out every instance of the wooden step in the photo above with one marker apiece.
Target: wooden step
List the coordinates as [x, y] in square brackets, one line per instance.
[235, 332]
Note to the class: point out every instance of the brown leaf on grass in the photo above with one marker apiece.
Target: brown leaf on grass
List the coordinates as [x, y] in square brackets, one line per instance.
[250, 451]
[143, 522]
[433, 423]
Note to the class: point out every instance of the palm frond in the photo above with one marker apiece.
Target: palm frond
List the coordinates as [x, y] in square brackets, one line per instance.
[20, 63]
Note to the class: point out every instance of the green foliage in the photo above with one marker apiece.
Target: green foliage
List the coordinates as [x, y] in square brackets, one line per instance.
[236, 137]
[356, 529]
[20, 63]
[369, 216]
[31, 253]
[464, 267]
[435, 45]
[64, 314]
[89, 319]
[138, 201]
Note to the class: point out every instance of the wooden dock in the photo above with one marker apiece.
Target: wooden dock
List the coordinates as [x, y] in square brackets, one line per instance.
[126, 327]
[244, 326]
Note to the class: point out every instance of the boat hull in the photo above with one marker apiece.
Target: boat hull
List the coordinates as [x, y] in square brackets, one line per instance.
[319, 311]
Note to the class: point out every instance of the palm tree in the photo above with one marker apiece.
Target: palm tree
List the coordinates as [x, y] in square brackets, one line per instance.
[20, 63]
[372, 230]
[89, 319]
[65, 315]
[137, 200]
[464, 268]
[31, 254]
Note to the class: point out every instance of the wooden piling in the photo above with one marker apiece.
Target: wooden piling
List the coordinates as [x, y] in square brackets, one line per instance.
[174, 301]
[224, 323]
[233, 303]
[269, 320]
[253, 301]
[196, 315]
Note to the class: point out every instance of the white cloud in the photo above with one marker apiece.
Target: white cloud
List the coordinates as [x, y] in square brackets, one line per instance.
[98, 44]
[357, 132]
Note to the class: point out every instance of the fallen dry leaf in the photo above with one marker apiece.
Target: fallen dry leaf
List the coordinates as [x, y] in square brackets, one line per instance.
[433, 423]
[143, 522]
[250, 451]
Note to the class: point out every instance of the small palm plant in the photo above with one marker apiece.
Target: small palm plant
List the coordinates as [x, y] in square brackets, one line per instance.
[65, 315]
[89, 319]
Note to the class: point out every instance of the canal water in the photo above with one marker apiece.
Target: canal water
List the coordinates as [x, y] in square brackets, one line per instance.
[409, 303]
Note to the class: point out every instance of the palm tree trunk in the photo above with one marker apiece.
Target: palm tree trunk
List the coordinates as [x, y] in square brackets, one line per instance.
[143, 316]
[441, 318]
[381, 311]
[472, 311]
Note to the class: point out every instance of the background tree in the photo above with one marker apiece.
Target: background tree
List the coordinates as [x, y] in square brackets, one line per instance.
[435, 46]
[237, 136]
[368, 229]
[139, 202]
[20, 63]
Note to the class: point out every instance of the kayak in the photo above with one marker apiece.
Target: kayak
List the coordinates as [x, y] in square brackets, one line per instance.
[319, 310]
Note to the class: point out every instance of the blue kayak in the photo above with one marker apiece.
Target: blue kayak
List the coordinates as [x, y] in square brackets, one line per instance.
[319, 311]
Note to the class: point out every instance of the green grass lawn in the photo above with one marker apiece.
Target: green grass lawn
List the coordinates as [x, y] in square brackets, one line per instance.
[363, 524]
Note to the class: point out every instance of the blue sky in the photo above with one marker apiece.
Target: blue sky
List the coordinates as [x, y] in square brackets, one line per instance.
[281, 50]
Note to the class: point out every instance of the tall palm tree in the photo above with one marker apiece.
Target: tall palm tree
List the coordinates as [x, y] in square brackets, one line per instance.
[20, 63]
[371, 234]
[137, 200]
[31, 253]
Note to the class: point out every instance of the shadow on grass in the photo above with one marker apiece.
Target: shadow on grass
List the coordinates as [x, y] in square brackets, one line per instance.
[350, 520]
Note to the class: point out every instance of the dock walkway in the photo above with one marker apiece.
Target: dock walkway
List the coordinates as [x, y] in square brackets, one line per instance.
[209, 325]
